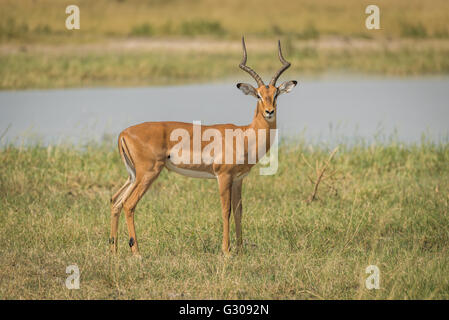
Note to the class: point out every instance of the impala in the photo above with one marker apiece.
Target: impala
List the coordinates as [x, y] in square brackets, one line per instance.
[148, 147]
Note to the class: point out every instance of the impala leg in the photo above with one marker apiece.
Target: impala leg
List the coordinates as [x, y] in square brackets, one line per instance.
[131, 202]
[225, 186]
[115, 215]
[237, 210]
[120, 191]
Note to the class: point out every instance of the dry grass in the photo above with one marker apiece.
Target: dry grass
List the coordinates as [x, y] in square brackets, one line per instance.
[153, 42]
[37, 20]
[391, 210]
[170, 66]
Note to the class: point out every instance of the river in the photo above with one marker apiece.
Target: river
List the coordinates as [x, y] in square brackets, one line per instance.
[320, 111]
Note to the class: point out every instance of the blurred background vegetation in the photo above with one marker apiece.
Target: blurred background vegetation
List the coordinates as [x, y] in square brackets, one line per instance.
[144, 42]
[43, 20]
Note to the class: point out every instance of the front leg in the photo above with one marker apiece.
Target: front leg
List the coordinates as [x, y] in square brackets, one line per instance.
[236, 199]
[225, 189]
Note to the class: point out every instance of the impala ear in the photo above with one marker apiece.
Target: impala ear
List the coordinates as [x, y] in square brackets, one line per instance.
[287, 86]
[247, 89]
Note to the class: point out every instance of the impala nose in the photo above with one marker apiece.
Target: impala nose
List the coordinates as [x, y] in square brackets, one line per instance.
[268, 112]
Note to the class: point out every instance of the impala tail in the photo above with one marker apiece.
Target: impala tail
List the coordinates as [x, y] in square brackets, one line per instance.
[126, 157]
[118, 199]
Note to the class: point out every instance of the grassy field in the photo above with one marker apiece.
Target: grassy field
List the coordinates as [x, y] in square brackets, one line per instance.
[161, 66]
[387, 206]
[44, 20]
[154, 42]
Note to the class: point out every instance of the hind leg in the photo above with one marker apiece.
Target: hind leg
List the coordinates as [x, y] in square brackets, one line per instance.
[115, 215]
[116, 208]
[130, 203]
[120, 191]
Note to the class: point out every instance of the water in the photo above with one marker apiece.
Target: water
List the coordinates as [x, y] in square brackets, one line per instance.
[321, 111]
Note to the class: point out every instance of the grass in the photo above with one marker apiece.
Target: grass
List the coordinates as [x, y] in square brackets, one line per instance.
[25, 70]
[388, 207]
[229, 19]
[119, 42]
[142, 30]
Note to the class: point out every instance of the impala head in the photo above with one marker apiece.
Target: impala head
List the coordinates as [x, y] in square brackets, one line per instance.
[266, 94]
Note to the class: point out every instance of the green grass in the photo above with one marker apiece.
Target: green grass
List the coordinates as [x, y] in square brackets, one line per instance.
[390, 209]
[61, 70]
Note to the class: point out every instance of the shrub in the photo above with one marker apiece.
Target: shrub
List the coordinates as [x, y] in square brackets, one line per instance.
[10, 29]
[142, 30]
[409, 30]
[310, 32]
[201, 27]
[42, 29]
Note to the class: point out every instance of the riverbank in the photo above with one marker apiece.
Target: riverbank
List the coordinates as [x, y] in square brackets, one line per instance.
[139, 62]
[129, 43]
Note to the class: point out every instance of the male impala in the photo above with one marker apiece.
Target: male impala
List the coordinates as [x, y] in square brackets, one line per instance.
[147, 148]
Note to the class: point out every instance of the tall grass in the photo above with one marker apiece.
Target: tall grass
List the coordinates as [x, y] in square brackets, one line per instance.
[61, 70]
[387, 206]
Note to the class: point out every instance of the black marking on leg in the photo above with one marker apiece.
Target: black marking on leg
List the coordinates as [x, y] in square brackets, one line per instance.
[111, 240]
[131, 242]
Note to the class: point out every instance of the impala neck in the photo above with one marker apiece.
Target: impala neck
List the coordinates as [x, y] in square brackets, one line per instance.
[259, 121]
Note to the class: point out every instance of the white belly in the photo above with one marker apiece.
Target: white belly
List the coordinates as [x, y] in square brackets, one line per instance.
[188, 172]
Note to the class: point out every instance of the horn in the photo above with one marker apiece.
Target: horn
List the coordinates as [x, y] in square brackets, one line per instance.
[243, 66]
[285, 66]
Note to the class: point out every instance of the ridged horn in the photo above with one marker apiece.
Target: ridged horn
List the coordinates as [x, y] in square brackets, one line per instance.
[285, 66]
[243, 66]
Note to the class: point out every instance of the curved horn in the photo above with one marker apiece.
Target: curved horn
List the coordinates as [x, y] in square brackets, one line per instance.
[243, 66]
[285, 66]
